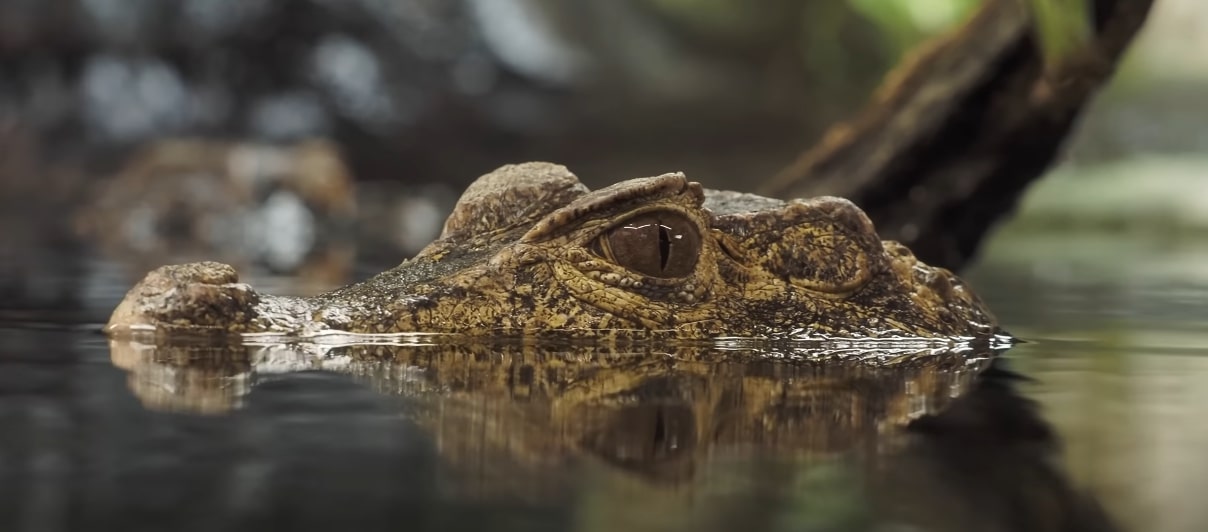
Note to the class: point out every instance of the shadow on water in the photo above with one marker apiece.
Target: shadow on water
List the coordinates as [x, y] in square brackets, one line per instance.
[461, 436]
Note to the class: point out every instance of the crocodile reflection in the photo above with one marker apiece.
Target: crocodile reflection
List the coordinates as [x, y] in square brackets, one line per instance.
[644, 410]
[942, 442]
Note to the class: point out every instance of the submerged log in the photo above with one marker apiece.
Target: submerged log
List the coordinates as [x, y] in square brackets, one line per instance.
[957, 132]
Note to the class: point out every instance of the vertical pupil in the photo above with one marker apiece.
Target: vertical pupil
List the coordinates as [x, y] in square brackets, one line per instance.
[664, 246]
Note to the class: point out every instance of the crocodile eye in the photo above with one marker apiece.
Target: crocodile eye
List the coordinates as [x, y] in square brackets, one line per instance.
[658, 244]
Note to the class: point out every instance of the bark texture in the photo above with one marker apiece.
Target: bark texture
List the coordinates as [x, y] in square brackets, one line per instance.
[956, 133]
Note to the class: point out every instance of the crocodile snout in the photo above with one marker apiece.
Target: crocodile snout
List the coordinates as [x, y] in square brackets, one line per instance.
[200, 297]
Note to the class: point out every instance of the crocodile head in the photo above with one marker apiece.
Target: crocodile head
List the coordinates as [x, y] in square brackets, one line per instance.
[529, 249]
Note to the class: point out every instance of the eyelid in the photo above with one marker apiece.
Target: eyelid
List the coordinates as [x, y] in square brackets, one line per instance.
[664, 190]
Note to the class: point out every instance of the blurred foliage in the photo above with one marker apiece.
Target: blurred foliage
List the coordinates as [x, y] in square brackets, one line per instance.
[1061, 25]
[729, 20]
[901, 24]
[908, 22]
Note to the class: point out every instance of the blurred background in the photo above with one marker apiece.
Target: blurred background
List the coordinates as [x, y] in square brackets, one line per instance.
[302, 138]
[144, 132]
[314, 142]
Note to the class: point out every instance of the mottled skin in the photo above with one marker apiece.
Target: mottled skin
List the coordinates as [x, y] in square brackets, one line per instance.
[520, 254]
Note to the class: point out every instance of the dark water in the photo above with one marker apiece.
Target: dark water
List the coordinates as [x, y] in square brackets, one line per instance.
[1095, 424]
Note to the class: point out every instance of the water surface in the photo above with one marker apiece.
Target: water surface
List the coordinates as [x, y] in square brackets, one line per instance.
[1094, 424]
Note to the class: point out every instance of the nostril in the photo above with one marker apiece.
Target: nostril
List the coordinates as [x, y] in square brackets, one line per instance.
[939, 281]
[192, 297]
[213, 273]
[942, 285]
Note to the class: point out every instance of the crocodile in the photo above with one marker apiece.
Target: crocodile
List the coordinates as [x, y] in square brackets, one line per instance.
[530, 250]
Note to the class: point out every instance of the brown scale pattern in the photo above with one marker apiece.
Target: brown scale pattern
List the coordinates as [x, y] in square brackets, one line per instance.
[519, 255]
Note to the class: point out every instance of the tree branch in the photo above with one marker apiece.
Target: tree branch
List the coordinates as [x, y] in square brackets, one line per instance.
[957, 132]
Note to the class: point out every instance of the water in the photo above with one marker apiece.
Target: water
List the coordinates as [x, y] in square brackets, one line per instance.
[1094, 424]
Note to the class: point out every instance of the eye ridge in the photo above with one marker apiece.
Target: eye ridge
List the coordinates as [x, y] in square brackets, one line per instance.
[662, 244]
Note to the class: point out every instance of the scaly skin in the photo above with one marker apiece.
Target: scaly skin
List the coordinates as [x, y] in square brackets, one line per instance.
[521, 253]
